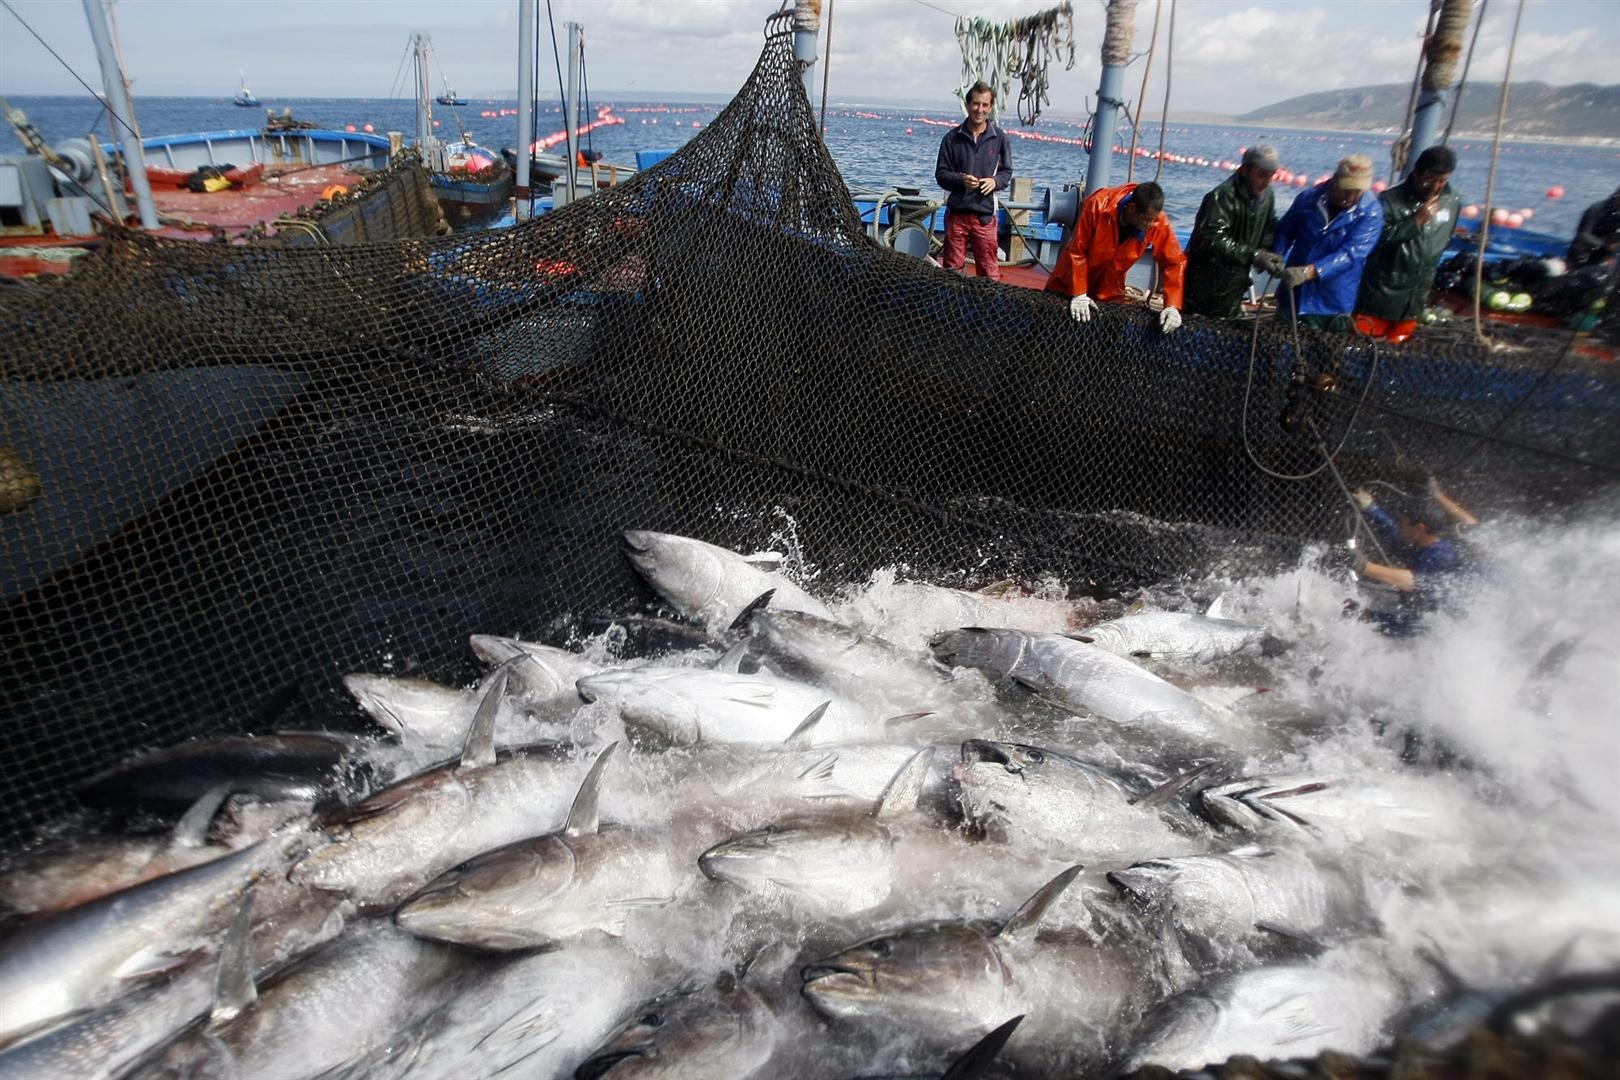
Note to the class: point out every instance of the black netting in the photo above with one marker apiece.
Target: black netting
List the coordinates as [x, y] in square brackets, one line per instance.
[263, 467]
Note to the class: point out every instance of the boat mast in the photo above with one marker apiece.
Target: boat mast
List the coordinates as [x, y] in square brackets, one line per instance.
[123, 110]
[1116, 53]
[806, 26]
[576, 45]
[1440, 55]
[525, 109]
[424, 106]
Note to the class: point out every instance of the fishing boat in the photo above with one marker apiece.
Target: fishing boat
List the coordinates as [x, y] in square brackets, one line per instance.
[245, 97]
[449, 98]
[472, 183]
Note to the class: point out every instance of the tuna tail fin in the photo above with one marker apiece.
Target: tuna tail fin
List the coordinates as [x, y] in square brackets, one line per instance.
[801, 736]
[582, 817]
[768, 561]
[732, 659]
[479, 749]
[1217, 608]
[1028, 917]
[1171, 787]
[905, 789]
[233, 980]
[192, 829]
[746, 615]
[971, 1065]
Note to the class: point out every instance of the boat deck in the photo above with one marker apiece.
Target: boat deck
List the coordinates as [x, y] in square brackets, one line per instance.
[235, 210]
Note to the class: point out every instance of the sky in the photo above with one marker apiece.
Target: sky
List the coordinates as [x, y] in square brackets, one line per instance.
[1229, 56]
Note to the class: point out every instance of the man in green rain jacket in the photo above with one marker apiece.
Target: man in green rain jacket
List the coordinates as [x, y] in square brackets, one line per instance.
[1232, 233]
[1420, 214]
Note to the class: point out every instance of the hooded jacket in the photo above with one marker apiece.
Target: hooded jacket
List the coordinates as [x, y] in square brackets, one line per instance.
[1095, 260]
[1229, 229]
[1337, 246]
[1400, 271]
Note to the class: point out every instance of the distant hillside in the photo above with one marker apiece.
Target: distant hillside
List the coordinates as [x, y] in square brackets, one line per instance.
[1534, 108]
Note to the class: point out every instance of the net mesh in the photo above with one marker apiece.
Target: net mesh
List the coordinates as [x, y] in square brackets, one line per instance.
[263, 467]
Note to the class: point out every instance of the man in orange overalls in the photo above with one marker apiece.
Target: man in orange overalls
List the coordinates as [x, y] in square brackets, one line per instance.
[1116, 226]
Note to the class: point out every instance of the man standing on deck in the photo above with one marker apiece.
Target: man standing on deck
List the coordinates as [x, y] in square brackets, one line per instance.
[1117, 225]
[1597, 237]
[975, 161]
[1419, 216]
[1233, 231]
[1325, 239]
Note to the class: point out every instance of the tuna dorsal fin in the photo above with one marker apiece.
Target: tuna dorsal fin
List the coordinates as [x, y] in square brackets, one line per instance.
[1138, 606]
[233, 979]
[582, 815]
[902, 719]
[1028, 917]
[732, 659]
[479, 749]
[1003, 588]
[805, 732]
[1454, 983]
[1217, 609]
[746, 615]
[191, 831]
[1171, 787]
[768, 561]
[971, 1065]
[901, 796]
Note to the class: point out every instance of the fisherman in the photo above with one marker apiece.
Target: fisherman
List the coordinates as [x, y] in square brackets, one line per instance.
[1233, 231]
[1117, 225]
[1597, 238]
[1420, 214]
[1417, 529]
[1324, 240]
[975, 161]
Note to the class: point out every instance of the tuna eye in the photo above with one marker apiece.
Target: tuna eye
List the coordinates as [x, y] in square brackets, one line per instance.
[1036, 757]
[879, 948]
[772, 830]
[652, 1020]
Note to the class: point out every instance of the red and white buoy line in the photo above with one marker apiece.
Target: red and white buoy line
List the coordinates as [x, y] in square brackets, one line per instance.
[604, 118]
[1500, 216]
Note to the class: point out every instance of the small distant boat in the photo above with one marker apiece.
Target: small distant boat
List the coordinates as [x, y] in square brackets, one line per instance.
[449, 98]
[244, 97]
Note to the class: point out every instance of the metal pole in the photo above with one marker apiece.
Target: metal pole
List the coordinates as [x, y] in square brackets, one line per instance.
[1439, 65]
[525, 109]
[576, 43]
[806, 25]
[1116, 53]
[123, 110]
[424, 105]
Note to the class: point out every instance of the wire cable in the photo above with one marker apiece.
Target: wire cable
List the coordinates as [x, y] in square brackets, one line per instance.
[67, 67]
[826, 69]
[1490, 175]
[1141, 95]
[1169, 69]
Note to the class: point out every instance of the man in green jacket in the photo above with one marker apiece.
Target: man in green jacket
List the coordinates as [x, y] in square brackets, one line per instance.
[1232, 233]
[1420, 214]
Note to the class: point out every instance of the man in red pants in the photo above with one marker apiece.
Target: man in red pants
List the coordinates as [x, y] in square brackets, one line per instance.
[975, 161]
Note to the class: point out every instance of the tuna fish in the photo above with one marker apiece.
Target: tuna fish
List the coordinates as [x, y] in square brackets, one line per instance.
[728, 1029]
[712, 585]
[1179, 636]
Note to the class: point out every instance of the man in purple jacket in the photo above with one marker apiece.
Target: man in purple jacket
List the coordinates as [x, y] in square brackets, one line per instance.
[1325, 239]
[975, 161]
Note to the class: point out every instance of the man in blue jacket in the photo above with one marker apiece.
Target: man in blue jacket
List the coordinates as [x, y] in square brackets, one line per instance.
[1325, 239]
[975, 161]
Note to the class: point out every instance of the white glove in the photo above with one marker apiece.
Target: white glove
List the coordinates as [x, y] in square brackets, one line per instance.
[1362, 498]
[1169, 320]
[1081, 308]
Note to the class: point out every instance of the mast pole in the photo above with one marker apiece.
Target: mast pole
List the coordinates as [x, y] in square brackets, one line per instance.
[424, 105]
[123, 110]
[1116, 53]
[1440, 55]
[576, 43]
[806, 27]
[525, 109]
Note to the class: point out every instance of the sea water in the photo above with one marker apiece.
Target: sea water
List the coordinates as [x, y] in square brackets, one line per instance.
[879, 148]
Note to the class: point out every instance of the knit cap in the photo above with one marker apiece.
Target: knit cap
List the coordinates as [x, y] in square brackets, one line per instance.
[1263, 158]
[1355, 173]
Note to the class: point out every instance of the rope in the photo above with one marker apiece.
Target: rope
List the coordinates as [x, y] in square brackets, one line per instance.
[826, 69]
[1490, 175]
[987, 54]
[1141, 95]
[1359, 519]
[1462, 83]
[1038, 40]
[1117, 34]
[1169, 68]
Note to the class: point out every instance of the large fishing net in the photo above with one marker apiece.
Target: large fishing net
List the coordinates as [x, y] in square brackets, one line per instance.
[262, 467]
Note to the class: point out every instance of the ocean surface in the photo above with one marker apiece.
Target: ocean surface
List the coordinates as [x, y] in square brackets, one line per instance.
[881, 148]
